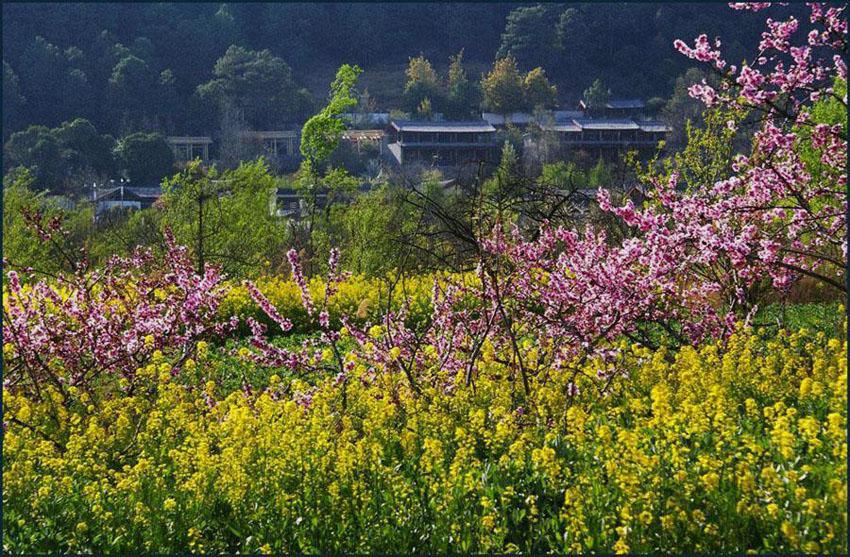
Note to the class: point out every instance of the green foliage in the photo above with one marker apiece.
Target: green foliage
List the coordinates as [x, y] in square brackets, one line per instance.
[563, 176]
[226, 218]
[464, 95]
[53, 82]
[707, 156]
[135, 91]
[831, 111]
[21, 245]
[64, 158]
[320, 134]
[66, 74]
[422, 83]
[538, 92]
[84, 150]
[145, 158]
[367, 232]
[420, 72]
[503, 87]
[505, 185]
[119, 232]
[601, 175]
[13, 100]
[258, 84]
[506, 90]
[37, 149]
[596, 95]
[824, 317]
[682, 109]
[531, 35]
[424, 110]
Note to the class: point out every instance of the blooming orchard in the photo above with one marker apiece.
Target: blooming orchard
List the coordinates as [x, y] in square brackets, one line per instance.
[575, 393]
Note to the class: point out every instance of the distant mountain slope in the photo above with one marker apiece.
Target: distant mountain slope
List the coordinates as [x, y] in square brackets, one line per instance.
[173, 48]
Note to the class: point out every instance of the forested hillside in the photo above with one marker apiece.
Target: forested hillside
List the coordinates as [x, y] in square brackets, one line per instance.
[161, 67]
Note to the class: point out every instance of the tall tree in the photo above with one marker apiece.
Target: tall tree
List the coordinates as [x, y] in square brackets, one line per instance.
[45, 73]
[259, 85]
[84, 150]
[596, 96]
[37, 149]
[531, 35]
[320, 135]
[681, 108]
[539, 93]
[226, 218]
[145, 158]
[464, 95]
[319, 139]
[13, 101]
[503, 87]
[422, 83]
[136, 94]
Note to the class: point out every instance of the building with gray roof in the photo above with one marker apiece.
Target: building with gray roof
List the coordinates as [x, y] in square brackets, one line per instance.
[441, 143]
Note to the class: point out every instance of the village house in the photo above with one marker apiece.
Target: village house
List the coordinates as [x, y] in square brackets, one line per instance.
[119, 195]
[601, 135]
[523, 119]
[290, 203]
[624, 108]
[189, 148]
[274, 144]
[441, 143]
[361, 140]
[293, 204]
[616, 108]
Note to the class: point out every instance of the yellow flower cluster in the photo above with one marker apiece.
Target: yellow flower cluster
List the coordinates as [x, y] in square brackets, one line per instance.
[723, 448]
[359, 297]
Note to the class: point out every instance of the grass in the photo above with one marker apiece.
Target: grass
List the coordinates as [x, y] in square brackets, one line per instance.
[826, 317]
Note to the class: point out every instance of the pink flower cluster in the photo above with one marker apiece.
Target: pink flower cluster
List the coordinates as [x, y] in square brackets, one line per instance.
[74, 328]
[687, 266]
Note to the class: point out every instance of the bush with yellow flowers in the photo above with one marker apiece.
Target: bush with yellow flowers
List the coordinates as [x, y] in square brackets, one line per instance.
[731, 447]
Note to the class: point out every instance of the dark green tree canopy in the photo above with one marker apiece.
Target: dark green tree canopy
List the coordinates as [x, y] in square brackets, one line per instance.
[464, 94]
[36, 149]
[257, 83]
[596, 95]
[145, 158]
[532, 35]
[64, 55]
[61, 159]
[13, 100]
[84, 149]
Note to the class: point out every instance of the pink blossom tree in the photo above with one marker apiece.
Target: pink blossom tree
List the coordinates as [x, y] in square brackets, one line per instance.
[90, 328]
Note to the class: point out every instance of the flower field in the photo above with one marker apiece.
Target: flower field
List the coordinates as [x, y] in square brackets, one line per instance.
[360, 298]
[717, 448]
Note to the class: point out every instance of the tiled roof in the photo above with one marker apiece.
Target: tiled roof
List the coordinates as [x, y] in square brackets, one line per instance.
[655, 127]
[415, 126]
[625, 103]
[515, 118]
[606, 124]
